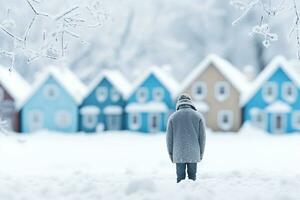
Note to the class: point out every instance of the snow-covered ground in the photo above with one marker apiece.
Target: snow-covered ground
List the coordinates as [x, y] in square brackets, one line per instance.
[133, 166]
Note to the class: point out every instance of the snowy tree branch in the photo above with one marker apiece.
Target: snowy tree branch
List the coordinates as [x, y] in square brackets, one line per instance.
[67, 24]
[269, 11]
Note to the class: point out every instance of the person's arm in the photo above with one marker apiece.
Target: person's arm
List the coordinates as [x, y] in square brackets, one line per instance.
[202, 137]
[170, 139]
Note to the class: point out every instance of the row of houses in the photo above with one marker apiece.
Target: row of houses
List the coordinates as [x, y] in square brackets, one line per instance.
[59, 101]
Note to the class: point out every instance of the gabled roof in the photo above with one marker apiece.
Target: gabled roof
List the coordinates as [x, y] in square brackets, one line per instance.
[165, 79]
[65, 77]
[271, 68]
[231, 73]
[115, 78]
[14, 84]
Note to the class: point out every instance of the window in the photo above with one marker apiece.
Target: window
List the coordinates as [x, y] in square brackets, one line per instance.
[258, 118]
[89, 121]
[158, 94]
[289, 92]
[270, 91]
[115, 96]
[199, 90]
[101, 94]
[222, 91]
[142, 94]
[36, 120]
[63, 118]
[154, 122]
[134, 121]
[51, 91]
[278, 122]
[225, 119]
[1, 94]
[296, 119]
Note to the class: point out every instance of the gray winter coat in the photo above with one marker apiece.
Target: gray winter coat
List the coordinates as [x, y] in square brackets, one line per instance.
[186, 135]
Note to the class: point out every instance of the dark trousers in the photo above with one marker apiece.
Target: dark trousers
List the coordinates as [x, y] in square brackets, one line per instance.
[181, 171]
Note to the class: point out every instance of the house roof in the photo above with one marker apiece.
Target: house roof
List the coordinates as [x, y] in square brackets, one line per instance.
[278, 107]
[271, 68]
[14, 84]
[231, 73]
[115, 78]
[166, 79]
[65, 77]
[151, 106]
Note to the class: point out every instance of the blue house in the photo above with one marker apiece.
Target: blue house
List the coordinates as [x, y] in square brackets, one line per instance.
[151, 101]
[273, 102]
[53, 102]
[103, 106]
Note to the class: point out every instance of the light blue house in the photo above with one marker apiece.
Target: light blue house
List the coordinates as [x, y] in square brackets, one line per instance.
[53, 102]
[103, 106]
[151, 101]
[273, 102]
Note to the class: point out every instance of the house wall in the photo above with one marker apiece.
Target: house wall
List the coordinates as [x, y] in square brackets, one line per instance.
[145, 128]
[211, 76]
[49, 108]
[257, 101]
[8, 111]
[91, 100]
[151, 83]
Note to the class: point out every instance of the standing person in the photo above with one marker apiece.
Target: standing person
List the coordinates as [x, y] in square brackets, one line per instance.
[186, 138]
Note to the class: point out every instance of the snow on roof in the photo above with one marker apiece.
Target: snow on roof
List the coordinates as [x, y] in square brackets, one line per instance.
[166, 79]
[277, 62]
[65, 77]
[278, 107]
[115, 77]
[113, 110]
[231, 73]
[146, 107]
[14, 84]
[89, 110]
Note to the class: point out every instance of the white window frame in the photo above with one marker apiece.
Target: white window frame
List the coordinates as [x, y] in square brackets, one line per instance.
[157, 91]
[34, 127]
[151, 129]
[136, 126]
[266, 97]
[223, 126]
[284, 122]
[88, 124]
[58, 116]
[254, 115]
[138, 94]
[51, 87]
[101, 93]
[226, 86]
[295, 115]
[194, 90]
[114, 95]
[284, 88]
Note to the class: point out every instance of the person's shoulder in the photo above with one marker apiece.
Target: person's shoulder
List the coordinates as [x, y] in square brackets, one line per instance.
[199, 115]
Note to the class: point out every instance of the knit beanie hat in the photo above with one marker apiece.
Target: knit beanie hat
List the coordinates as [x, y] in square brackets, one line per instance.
[185, 99]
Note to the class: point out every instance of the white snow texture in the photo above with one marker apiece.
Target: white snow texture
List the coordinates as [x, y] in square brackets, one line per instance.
[131, 166]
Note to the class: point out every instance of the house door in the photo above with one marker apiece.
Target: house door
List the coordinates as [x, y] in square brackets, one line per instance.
[279, 123]
[114, 122]
[154, 122]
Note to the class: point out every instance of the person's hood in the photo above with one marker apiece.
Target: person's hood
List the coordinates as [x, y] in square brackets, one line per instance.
[185, 101]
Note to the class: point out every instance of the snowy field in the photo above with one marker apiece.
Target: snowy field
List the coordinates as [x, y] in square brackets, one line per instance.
[130, 166]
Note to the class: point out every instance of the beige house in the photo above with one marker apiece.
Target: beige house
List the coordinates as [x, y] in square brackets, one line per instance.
[216, 86]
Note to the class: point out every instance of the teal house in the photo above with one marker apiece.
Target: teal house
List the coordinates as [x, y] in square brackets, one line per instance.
[273, 102]
[53, 102]
[151, 101]
[103, 107]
